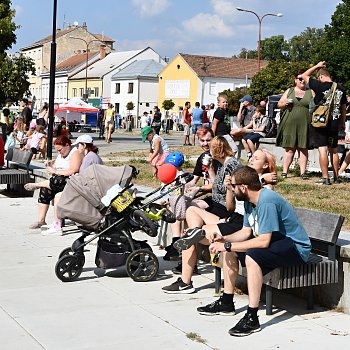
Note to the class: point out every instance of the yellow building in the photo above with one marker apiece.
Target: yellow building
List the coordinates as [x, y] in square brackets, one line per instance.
[196, 78]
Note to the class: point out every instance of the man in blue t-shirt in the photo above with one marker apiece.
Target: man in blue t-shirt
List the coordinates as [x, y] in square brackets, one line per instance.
[197, 116]
[271, 237]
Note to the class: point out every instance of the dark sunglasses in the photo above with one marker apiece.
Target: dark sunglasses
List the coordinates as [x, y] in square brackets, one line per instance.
[300, 79]
[234, 185]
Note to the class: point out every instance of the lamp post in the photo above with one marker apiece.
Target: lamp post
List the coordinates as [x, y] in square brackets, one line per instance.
[87, 43]
[52, 84]
[260, 19]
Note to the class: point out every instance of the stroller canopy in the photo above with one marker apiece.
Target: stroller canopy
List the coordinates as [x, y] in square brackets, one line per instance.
[81, 197]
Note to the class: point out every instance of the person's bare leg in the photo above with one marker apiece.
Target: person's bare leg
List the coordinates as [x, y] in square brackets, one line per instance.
[334, 159]
[230, 270]
[42, 212]
[345, 164]
[56, 200]
[245, 145]
[197, 217]
[177, 228]
[255, 280]
[251, 146]
[189, 260]
[288, 159]
[303, 157]
[323, 157]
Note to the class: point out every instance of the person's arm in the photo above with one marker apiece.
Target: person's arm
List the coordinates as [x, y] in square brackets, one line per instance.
[283, 102]
[155, 152]
[306, 75]
[230, 196]
[240, 115]
[214, 125]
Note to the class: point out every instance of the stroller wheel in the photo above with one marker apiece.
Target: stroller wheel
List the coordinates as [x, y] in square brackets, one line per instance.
[146, 224]
[69, 251]
[69, 267]
[168, 217]
[142, 265]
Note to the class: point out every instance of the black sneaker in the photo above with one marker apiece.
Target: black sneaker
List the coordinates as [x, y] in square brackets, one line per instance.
[172, 255]
[179, 287]
[217, 308]
[246, 326]
[177, 270]
[193, 235]
[323, 181]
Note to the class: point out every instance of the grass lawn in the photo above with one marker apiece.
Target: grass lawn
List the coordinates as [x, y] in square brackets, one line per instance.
[300, 193]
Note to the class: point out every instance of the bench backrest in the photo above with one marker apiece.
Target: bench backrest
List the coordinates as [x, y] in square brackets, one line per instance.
[21, 158]
[322, 228]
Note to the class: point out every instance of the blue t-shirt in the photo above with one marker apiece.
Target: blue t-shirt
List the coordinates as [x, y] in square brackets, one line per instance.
[197, 116]
[273, 214]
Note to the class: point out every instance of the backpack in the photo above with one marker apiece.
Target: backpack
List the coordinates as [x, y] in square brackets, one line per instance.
[271, 127]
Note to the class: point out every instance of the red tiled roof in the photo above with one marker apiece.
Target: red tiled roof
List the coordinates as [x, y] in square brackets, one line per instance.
[74, 61]
[222, 67]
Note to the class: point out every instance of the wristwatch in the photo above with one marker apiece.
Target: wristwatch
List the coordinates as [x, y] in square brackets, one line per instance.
[227, 246]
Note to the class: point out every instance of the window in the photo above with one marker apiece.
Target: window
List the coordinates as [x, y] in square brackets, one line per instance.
[74, 92]
[212, 89]
[131, 88]
[81, 92]
[117, 88]
[147, 104]
[97, 92]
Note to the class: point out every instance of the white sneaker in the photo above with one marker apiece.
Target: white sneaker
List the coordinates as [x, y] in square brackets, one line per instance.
[52, 231]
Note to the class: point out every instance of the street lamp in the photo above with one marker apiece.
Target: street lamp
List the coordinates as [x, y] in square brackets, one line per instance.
[260, 18]
[87, 43]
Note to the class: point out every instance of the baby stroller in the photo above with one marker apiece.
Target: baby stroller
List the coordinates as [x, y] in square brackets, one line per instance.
[84, 202]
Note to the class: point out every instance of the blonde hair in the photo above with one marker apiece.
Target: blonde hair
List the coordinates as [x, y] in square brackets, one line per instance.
[220, 148]
[270, 160]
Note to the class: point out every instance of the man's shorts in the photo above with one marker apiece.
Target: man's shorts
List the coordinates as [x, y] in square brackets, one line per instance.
[232, 225]
[186, 130]
[252, 136]
[195, 127]
[321, 137]
[281, 253]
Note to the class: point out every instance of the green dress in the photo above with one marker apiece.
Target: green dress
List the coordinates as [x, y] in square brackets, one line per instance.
[293, 130]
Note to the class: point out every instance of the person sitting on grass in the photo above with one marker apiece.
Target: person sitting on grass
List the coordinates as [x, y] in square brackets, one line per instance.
[271, 237]
[159, 149]
[255, 130]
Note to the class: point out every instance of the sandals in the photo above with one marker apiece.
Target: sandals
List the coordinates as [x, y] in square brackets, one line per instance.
[31, 186]
[284, 175]
[304, 176]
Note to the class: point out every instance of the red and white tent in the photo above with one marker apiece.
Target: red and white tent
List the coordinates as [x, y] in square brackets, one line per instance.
[75, 104]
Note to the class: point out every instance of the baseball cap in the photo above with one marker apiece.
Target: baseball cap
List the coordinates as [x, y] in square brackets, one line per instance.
[83, 139]
[246, 98]
[145, 131]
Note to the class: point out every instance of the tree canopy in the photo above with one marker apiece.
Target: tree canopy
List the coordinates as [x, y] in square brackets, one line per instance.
[14, 70]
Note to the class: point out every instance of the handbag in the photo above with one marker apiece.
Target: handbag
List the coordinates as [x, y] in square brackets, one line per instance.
[320, 115]
[179, 204]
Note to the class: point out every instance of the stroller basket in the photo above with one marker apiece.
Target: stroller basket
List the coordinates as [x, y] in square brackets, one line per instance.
[111, 255]
[122, 201]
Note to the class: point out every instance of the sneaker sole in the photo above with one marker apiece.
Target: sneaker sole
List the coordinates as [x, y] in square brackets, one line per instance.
[221, 313]
[187, 242]
[244, 334]
[184, 291]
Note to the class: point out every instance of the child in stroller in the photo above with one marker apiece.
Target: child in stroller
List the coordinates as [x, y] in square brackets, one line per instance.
[114, 223]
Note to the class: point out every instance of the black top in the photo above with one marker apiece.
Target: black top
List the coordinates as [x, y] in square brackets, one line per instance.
[27, 115]
[223, 126]
[321, 89]
[6, 112]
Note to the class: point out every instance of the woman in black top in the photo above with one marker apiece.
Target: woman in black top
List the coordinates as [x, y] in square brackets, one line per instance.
[156, 120]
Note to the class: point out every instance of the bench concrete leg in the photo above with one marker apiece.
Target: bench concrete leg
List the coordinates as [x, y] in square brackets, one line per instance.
[268, 298]
[310, 298]
[217, 280]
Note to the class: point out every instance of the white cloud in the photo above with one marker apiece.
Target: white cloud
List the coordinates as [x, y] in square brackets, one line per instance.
[205, 24]
[125, 45]
[224, 8]
[149, 8]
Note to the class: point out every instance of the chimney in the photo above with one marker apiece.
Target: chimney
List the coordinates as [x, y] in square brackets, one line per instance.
[102, 52]
[84, 26]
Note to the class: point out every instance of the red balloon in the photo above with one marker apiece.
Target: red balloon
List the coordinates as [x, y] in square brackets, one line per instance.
[167, 173]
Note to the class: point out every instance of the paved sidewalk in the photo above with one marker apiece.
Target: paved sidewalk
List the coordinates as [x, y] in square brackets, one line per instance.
[37, 311]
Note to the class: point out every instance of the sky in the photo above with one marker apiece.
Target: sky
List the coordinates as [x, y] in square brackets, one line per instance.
[205, 27]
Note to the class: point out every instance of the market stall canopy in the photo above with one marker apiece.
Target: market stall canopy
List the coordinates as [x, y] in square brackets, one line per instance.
[75, 104]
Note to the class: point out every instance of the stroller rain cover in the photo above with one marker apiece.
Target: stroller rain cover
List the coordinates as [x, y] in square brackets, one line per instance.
[81, 197]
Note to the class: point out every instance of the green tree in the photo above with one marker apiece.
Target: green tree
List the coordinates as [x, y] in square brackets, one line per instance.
[304, 47]
[334, 47]
[168, 104]
[14, 82]
[275, 78]
[129, 106]
[248, 54]
[272, 48]
[13, 71]
[7, 26]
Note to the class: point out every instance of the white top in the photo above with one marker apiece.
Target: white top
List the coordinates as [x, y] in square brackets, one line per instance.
[64, 163]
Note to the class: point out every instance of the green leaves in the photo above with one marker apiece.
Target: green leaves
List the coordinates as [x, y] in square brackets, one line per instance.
[168, 104]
